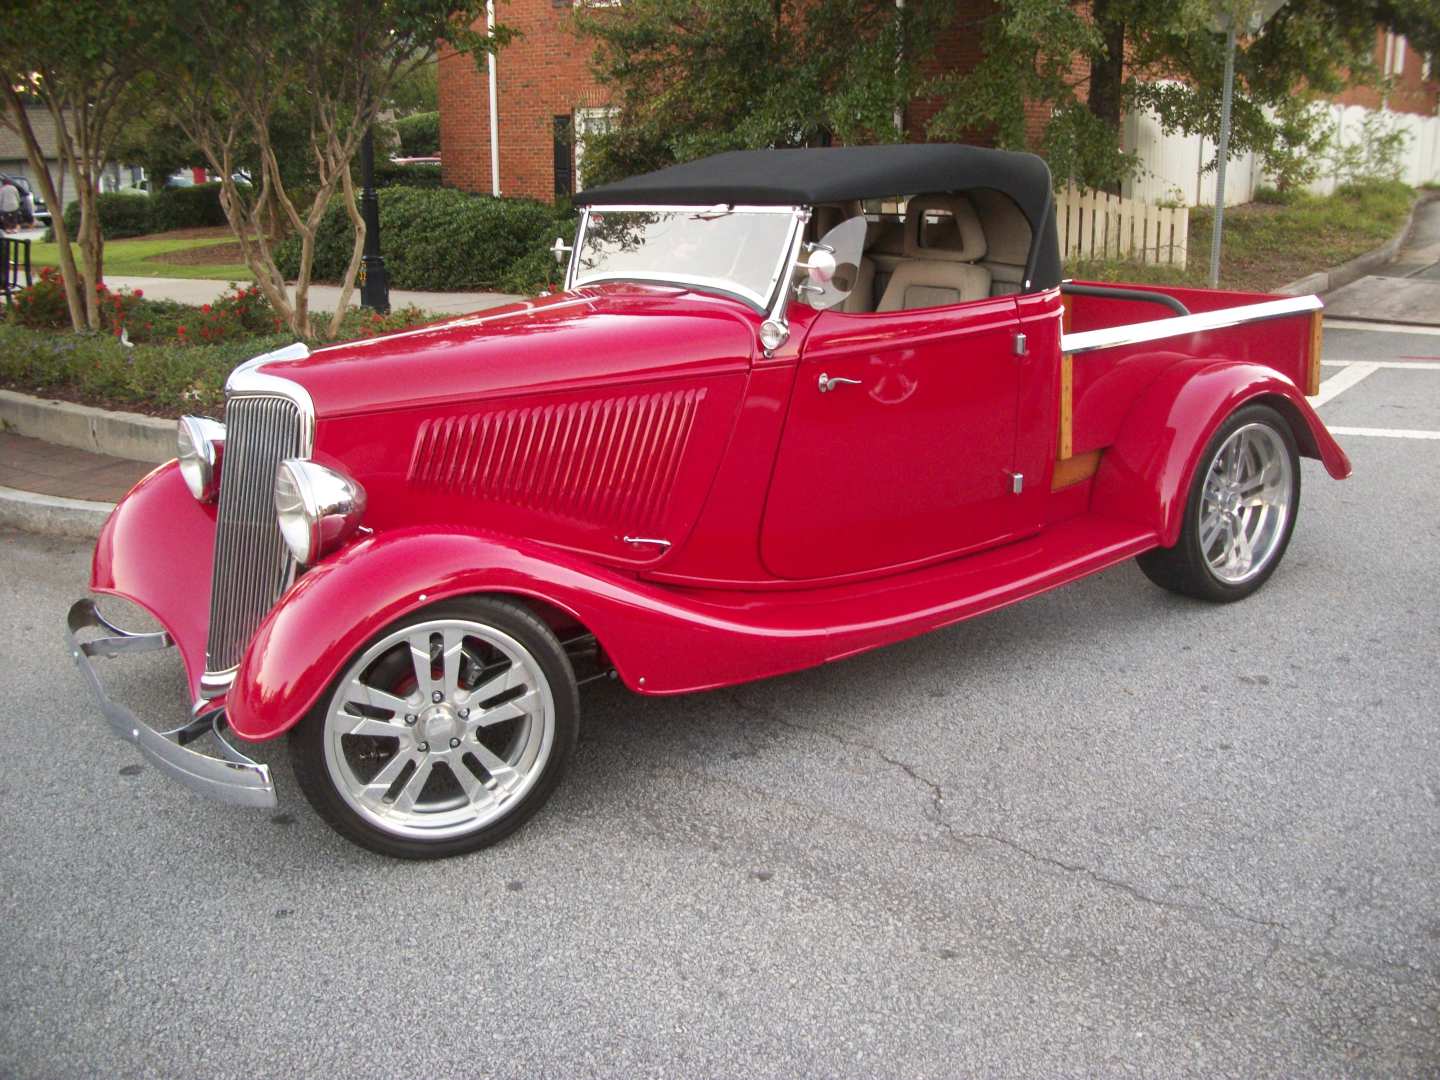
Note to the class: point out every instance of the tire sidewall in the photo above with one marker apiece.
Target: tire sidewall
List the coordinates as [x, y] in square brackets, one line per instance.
[1217, 588]
[307, 738]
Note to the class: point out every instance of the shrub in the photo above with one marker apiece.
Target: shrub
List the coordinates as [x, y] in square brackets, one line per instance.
[41, 306]
[390, 174]
[195, 207]
[122, 214]
[419, 134]
[163, 378]
[441, 239]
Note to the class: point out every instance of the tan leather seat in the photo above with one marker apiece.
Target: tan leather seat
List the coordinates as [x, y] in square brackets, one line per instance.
[939, 267]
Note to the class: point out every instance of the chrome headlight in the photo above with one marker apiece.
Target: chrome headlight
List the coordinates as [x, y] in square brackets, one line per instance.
[199, 445]
[318, 508]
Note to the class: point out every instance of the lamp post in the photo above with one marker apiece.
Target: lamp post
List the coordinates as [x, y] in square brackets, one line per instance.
[374, 284]
[1254, 15]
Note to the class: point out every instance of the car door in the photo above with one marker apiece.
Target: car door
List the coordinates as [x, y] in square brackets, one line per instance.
[900, 442]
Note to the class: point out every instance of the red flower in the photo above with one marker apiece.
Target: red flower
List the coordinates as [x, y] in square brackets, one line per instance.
[205, 307]
[139, 293]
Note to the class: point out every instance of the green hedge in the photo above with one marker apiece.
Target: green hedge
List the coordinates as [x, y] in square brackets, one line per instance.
[186, 208]
[123, 214]
[419, 134]
[444, 239]
[389, 174]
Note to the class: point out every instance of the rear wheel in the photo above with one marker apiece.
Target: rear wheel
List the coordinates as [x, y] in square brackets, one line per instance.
[444, 734]
[1240, 513]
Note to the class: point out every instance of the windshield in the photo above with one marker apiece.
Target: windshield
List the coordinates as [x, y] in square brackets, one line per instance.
[741, 252]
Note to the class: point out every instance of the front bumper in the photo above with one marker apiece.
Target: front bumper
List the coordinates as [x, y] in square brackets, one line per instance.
[232, 778]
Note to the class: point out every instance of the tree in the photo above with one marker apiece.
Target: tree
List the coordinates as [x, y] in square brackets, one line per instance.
[82, 63]
[237, 69]
[1091, 64]
[696, 77]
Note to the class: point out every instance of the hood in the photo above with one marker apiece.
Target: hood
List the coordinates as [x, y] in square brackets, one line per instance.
[566, 341]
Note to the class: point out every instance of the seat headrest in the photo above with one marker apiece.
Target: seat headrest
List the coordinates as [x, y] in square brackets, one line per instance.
[957, 236]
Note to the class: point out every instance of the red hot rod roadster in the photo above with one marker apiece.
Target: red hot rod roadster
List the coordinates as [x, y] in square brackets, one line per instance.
[791, 405]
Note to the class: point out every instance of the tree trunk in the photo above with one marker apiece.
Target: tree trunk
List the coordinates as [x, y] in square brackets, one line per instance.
[1107, 73]
[69, 272]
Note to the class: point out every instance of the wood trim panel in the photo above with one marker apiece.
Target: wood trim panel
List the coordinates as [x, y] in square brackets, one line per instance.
[1074, 470]
[1067, 407]
[1317, 334]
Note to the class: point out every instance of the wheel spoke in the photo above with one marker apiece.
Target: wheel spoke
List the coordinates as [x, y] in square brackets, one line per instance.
[380, 729]
[405, 801]
[378, 786]
[514, 709]
[509, 679]
[1209, 530]
[475, 790]
[454, 649]
[505, 777]
[357, 693]
[420, 658]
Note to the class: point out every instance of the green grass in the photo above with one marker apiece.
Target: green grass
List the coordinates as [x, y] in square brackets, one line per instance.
[1267, 245]
[135, 258]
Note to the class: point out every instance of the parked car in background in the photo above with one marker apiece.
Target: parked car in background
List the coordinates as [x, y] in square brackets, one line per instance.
[32, 207]
[791, 405]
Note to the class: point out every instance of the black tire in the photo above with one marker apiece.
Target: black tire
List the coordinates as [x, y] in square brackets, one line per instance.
[320, 776]
[1184, 568]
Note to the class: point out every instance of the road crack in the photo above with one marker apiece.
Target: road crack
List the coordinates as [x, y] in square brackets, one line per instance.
[937, 814]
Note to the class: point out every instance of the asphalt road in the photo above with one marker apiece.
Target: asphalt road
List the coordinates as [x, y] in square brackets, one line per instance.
[1106, 831]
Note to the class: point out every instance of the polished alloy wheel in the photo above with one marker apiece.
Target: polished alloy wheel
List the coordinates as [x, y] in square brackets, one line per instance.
[1246, 503]
[439, 729]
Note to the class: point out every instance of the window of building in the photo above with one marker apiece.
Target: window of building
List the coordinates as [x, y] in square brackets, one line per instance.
[588, 123]
[564, 158]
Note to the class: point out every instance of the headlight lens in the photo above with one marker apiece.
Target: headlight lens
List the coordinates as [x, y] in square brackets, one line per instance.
[199, 446]
[317, 508]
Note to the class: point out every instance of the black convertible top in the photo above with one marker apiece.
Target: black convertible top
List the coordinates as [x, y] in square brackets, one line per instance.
[834, 174]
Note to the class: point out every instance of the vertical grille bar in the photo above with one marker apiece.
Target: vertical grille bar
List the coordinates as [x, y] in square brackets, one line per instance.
[252, 565]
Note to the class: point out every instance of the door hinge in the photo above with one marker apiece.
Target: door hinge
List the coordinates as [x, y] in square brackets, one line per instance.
[1021, 348]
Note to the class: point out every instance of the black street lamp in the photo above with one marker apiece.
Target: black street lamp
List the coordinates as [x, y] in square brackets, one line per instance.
[374, 284]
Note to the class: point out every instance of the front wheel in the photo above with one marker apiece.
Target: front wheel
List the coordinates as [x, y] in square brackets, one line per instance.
[444, 734]
[1240, 512]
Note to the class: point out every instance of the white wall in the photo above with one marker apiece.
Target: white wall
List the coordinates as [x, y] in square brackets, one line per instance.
[1171, 163]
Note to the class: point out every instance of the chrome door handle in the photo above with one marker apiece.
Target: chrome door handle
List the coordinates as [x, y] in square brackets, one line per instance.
[830, 382]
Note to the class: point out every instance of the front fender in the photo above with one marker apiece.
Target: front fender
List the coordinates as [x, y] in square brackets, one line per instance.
[659, 640]
[1145, 475]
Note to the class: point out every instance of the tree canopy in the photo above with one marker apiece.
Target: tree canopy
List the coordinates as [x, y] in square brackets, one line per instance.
[694, 77]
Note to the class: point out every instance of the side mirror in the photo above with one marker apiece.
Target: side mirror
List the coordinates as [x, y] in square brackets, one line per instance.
[832, 265]
[561, 250]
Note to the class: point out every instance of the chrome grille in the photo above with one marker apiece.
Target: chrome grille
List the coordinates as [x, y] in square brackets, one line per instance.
[252, 565]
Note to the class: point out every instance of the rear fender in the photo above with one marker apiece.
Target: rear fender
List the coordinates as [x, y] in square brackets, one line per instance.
[1145, 475]
[658, 640]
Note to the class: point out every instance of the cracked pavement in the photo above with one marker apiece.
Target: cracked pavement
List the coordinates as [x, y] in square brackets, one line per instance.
[1107, 831]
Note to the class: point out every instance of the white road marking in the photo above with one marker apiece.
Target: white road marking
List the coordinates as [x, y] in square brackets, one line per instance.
[1385, 433]
[1379, 327]
[1395, 365]
[1336, 385]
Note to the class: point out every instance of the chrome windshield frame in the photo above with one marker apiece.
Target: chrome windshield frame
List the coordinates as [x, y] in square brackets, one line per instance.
[770, 305]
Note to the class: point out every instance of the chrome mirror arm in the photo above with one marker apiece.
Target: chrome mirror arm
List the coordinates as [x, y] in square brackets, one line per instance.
[775, 330]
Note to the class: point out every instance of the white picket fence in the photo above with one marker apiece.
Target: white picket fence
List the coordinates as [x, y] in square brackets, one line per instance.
[1098, 225]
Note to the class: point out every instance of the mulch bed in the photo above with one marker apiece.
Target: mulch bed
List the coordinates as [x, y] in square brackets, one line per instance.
[216, 254]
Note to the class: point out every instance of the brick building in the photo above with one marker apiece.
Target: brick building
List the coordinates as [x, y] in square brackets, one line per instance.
[549, 98]
[546, 92]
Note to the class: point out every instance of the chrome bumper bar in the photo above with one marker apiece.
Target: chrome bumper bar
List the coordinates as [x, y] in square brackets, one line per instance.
[232, 778]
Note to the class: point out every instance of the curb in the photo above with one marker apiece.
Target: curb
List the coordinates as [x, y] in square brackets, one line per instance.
[1325, 281]
[84, 427]
[51, 515]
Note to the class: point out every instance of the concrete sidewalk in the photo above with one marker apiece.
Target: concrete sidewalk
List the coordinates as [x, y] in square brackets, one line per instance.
[322, 297]
[1405, 291]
